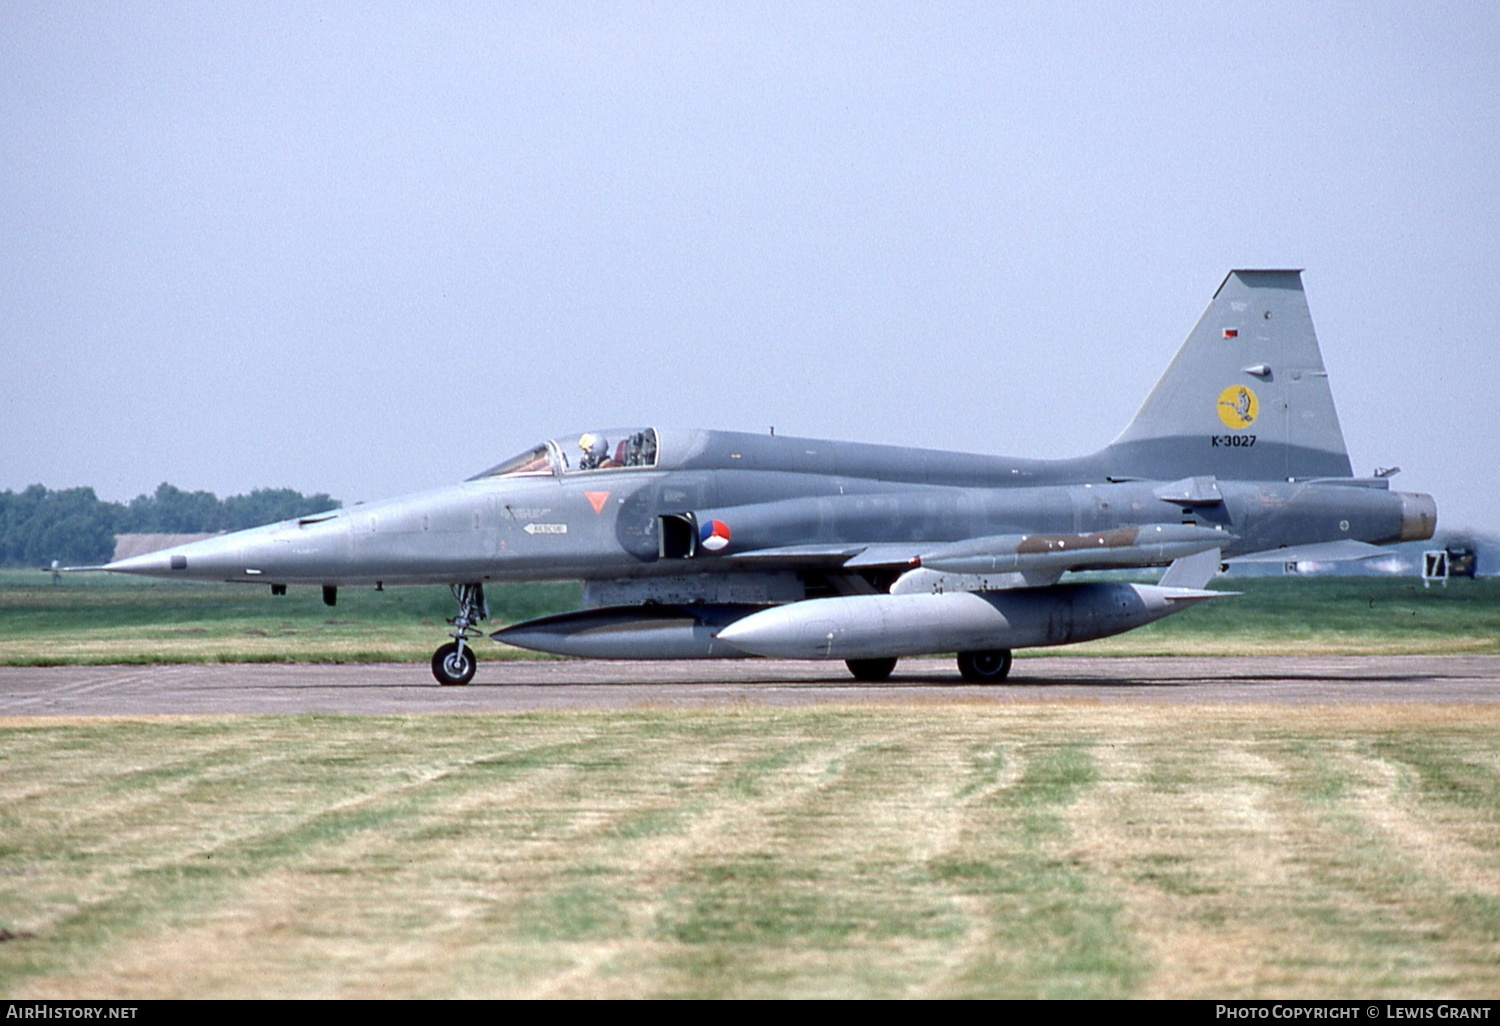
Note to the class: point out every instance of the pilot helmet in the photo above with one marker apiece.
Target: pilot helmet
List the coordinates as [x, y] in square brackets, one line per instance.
[592, 444]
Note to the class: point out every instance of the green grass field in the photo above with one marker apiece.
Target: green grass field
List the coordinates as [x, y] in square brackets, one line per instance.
[110, 619]
[1037, 850]
[1046, 849]
[105, 618]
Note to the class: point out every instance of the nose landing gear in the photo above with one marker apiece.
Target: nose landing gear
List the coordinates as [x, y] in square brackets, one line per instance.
[454, 664]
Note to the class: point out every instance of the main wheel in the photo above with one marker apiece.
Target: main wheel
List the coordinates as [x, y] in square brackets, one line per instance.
[871, 669]
[985, 667]
[452, 667]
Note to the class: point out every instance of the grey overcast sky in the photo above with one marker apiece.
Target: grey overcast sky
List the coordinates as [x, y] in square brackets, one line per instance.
[370, 248]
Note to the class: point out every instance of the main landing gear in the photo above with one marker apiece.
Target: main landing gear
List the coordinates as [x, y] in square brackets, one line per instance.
[871, 670]
[989, 667]
[454, 663]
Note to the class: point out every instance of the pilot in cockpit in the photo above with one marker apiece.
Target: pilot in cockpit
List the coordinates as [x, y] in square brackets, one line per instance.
[595, 452]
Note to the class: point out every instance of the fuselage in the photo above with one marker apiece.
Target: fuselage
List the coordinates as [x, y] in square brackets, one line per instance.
[555, 520]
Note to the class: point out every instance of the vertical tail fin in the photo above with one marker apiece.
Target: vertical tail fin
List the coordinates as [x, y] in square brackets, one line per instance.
[1246, 397]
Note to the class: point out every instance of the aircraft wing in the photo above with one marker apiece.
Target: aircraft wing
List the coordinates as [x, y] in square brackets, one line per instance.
[835, 555]
[896, 554]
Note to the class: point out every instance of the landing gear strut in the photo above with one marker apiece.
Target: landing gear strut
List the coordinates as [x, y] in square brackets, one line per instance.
[454, 663]
[989, 667]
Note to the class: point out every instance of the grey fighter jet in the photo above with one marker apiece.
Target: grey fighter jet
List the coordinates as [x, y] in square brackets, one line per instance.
[713, 544]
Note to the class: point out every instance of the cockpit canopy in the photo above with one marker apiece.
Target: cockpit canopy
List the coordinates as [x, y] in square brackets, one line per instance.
[589, 451]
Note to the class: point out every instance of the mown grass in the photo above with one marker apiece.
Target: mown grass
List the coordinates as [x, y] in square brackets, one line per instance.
[111, 619]
[105, 618]
[1044, 850]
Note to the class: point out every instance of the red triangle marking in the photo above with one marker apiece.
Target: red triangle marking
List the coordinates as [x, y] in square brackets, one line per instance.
[597, 500]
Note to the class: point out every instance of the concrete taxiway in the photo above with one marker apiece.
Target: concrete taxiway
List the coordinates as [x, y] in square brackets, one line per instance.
[526, 685]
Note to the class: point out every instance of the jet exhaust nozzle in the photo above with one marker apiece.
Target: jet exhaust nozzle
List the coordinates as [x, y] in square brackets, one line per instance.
[1418, 516]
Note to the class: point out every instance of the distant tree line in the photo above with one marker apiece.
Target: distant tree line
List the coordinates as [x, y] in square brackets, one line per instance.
[38, 525]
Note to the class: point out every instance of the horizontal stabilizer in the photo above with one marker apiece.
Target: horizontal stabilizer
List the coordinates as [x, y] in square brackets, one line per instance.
[1343, 550]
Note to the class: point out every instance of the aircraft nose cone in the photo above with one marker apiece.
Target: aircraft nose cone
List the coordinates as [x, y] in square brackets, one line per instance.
[155, 564]
[218, 558]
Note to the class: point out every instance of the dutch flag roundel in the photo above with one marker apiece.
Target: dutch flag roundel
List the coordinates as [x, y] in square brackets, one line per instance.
[713, 535]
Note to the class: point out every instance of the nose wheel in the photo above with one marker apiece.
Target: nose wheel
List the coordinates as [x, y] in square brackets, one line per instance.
[454, 664]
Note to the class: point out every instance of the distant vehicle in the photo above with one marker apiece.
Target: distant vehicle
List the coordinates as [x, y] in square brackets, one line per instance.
[1451, 561]
[705, 544]
[1461, 561]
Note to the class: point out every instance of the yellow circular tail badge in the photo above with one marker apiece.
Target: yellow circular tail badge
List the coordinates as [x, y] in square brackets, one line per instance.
[1238, 407]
